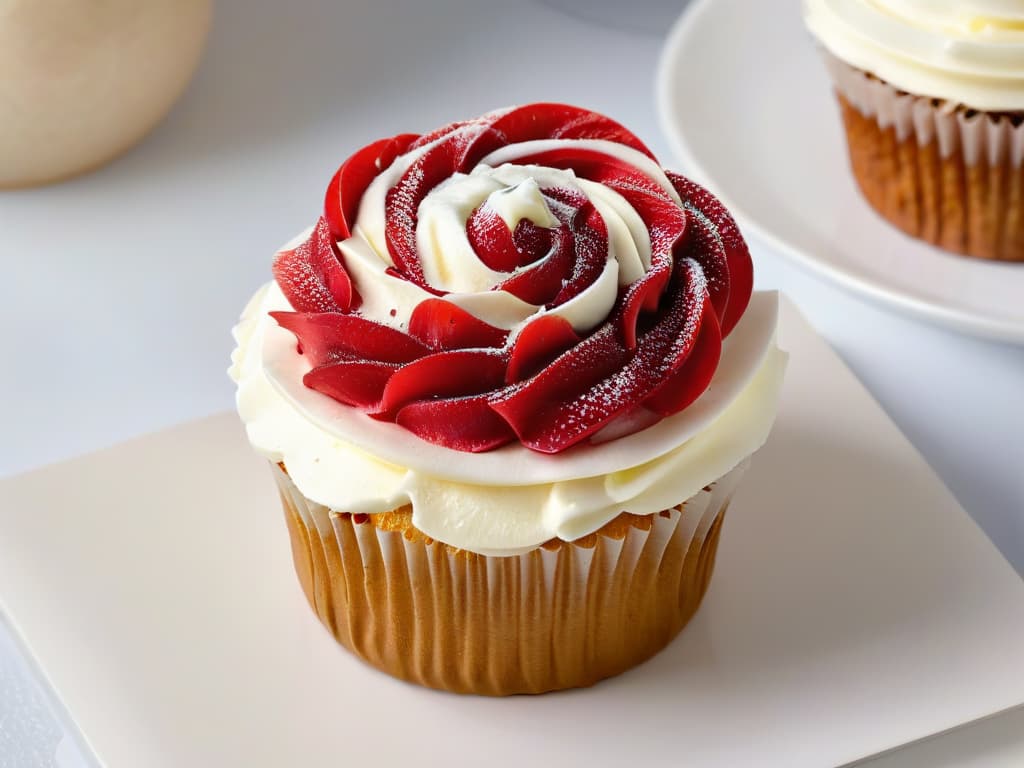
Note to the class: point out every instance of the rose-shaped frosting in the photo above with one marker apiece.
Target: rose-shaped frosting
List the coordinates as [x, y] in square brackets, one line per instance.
[532, 274]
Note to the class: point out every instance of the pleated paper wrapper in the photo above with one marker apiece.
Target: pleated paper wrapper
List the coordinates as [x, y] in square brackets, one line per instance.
[943, 173]
[564, 615]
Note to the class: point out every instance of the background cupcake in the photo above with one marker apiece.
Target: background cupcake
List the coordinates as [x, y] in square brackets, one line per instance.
[508, 384]
[932, 99]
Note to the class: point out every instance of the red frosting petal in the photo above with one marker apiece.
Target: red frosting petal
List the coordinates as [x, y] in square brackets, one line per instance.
[689, 382]
[541, 341]
[643, 296]
[703, 245]
[502, 250]
[440, 133]
[532, 241]
[462, 423]
[528, 405]
[354, 382]
[403, 201]
[312, 276]
[491, 240]
[549, 121]
[443, 325]
[543, 280]
[589, 241]
[445, 374]
[740, 266]
[326, 336]
[346, 189]
[547, 420]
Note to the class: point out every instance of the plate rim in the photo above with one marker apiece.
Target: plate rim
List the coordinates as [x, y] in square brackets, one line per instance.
[687, 25]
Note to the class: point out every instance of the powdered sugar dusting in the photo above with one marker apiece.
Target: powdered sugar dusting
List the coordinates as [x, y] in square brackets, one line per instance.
[460, 218]
[302, 278]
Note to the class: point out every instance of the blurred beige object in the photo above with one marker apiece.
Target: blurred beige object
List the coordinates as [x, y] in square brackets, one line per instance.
[81, 81]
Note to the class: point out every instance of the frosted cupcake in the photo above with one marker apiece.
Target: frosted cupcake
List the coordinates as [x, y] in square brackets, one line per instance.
[508, 384]
[932, 98]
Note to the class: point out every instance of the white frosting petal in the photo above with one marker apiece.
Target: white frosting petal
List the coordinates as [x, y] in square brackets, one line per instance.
[511, 499]
[969, 52]
[449, 261]
[522, 201]
[592, 305]
[392, 299]
[628, 238]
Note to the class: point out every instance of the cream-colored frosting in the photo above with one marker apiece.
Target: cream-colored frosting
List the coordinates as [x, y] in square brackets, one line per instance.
[968, 52]
[512, 499]
[449, 260]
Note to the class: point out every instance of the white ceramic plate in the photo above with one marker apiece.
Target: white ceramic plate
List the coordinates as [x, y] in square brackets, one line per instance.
[854, 607]
[747, 106]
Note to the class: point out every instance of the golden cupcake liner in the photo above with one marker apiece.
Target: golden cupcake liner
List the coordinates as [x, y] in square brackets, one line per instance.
[948, 175]
[563, 615]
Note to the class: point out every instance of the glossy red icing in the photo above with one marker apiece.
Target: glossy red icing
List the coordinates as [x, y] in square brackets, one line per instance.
[455, 380]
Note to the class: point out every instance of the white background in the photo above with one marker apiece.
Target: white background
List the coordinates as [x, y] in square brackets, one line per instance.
[120, 287]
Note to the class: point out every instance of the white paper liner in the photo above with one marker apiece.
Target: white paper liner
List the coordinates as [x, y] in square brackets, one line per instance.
[957, 129]
[560, 616]
[939, 171]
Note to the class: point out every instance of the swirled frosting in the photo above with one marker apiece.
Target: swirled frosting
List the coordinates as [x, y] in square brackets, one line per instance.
[532, 275]
[520, 325]
[969, 52]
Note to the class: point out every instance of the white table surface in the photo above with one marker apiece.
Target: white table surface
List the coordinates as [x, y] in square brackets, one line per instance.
[120, 287]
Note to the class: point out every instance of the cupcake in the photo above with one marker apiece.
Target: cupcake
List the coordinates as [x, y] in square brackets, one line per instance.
[932, 99]
[507, 385]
